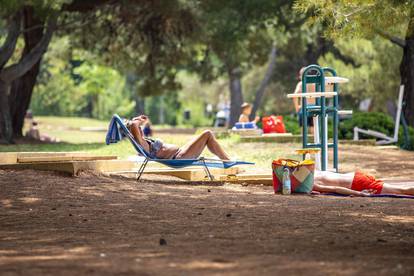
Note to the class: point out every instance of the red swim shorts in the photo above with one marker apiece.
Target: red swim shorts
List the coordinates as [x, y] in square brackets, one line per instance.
[364, 181]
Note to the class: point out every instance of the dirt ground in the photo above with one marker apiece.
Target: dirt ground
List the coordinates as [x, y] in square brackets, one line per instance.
[52, 224]
[383, 163]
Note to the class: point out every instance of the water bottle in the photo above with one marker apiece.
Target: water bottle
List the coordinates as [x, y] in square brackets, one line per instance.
[286, 189]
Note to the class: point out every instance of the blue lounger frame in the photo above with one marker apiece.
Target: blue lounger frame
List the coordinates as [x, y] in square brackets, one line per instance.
[117, 130]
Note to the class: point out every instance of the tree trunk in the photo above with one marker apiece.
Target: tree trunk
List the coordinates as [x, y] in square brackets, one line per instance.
[131, 80]
[262, 88]
[22, 88]
[236, 95]
[6, 129]
[139, 104]
[407, 73]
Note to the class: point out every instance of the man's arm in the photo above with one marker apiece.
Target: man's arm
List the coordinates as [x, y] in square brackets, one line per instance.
[337, 190]
[138, 135]
[296, 101]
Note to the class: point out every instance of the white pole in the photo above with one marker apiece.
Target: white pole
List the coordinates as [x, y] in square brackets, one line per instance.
[326, 141]
[316, 141]
[398, 115]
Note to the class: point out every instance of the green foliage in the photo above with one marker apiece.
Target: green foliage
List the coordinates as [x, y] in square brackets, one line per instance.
[292, 124]
[57, 95]
[407, 145]
[146, 39]
[97, 91]
[356, 18]
[167, 104]
[377, 74]
[234, 34]
[376, 121]
[42, 8]
[56, 92]
[366, 120]
[105, 92]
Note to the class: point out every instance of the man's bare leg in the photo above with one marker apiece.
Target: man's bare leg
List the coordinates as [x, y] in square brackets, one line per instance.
[397, 188]
[195, 147]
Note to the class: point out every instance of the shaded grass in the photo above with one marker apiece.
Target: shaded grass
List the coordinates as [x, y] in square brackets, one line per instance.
[69, 122]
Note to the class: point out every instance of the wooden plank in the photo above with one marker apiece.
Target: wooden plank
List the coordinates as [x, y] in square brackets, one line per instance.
[287, 134]
[51, 153]
[8, 158]
[345, 112]
[65, 167]
[244, 177]
[258, 181]
[250, 179]
[312, 95]
[362, 142]
[247, 132]
[103, 166]
[253, 179]
[58, 158]
[388, 147]
[275, 139]
[75, 167]
[193, 174]
[336, 80]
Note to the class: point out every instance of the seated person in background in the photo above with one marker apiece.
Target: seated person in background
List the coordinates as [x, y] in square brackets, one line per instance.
[192, 150]
[34, 133]
[356, 184]
[245, 114]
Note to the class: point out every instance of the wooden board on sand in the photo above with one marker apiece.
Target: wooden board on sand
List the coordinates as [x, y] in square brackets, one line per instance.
[8, 158]
[257, 179]
[38, 157]
[188, 174]
[59, 158]
[75, 167]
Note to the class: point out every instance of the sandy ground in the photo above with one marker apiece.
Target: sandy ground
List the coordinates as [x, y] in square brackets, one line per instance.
[52, 224]
[383, 163]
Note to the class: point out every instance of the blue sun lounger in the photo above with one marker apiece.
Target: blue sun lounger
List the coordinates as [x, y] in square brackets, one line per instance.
[117, 131]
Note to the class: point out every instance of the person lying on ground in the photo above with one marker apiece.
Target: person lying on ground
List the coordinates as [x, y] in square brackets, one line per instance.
[356, 184]
[245, 115]
[191, 150]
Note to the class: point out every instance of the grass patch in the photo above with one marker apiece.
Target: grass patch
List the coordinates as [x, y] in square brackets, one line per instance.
[66, 130]
[48, 122]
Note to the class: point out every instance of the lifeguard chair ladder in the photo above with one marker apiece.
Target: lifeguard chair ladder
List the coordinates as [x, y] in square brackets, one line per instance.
[315, 74]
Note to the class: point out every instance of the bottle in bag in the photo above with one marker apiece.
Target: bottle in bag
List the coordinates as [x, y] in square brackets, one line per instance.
[286, 188]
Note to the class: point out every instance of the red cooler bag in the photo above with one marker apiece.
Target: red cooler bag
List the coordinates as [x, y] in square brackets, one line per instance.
[273, 124]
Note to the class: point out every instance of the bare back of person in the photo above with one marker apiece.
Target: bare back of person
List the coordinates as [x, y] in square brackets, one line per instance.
[348, 184]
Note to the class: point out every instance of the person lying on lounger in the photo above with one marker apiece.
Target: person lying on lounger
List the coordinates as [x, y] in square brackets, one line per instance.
[356, 184]
[191, 150]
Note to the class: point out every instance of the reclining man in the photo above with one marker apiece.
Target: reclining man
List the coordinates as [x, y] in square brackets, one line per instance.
[356, 184]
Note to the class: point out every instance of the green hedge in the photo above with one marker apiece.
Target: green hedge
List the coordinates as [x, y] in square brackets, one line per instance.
[291, 124]
[375, 121]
